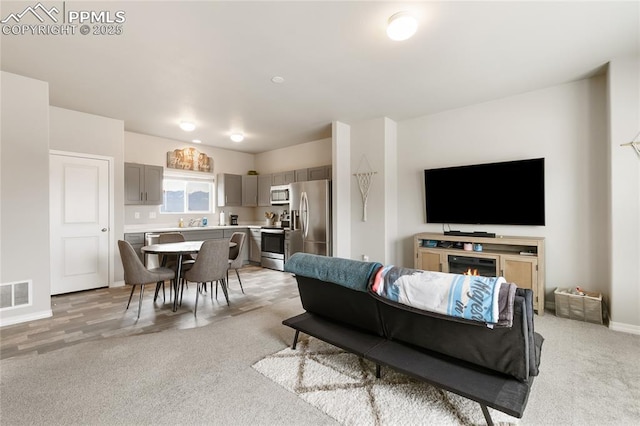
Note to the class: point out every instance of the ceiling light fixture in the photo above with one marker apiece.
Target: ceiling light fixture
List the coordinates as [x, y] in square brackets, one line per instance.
[237, 137]
[277, 79]
[401, 26]
[187, 126]
[196, 141]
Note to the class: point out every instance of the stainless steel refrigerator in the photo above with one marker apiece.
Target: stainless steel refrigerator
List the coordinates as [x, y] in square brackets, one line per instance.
[310, 204]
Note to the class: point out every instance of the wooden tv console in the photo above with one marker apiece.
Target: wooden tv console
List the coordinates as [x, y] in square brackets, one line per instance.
[519, 260]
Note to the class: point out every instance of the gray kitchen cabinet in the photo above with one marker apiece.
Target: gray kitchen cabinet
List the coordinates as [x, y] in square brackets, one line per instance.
[264, 190]
[137, 242]
[318, 173]
[203, 234]
[302, 175]
[255, 242]
[250, 191]
[284, 178]
[143, 184]
[229, 190]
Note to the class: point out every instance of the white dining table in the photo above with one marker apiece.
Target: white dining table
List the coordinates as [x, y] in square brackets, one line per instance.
[179, 249]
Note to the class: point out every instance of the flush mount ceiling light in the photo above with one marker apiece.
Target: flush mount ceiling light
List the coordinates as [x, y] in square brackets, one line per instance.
[187, 126]
[401, 26]
[196, 141]
[237, 137]
[277, 79]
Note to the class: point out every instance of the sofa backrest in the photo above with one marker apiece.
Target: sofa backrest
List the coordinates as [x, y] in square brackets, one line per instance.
[336, 288]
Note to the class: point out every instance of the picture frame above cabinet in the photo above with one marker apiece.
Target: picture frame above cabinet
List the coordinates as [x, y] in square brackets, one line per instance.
[143, 184]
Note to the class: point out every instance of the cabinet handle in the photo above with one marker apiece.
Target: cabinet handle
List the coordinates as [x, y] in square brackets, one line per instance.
[141, 199]
[145, 196]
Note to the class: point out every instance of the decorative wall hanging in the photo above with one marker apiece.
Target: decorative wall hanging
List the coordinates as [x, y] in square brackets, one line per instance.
[364, 183]
[189, 159]
[635, 144]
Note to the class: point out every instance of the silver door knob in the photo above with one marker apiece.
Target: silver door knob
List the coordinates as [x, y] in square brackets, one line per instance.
[104, 229]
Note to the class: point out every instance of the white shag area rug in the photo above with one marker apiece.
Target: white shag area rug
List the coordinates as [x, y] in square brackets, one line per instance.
[345, 387]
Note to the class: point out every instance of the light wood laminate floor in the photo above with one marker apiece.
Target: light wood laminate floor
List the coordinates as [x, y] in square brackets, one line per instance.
[98, 314]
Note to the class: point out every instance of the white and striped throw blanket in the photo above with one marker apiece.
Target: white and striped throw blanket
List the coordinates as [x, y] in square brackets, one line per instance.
[483, 299]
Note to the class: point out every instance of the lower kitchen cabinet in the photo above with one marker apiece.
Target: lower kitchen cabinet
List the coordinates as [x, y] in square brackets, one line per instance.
[137, 242]
[255, 249]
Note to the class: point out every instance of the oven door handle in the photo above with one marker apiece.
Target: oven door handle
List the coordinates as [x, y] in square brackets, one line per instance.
[272, 231]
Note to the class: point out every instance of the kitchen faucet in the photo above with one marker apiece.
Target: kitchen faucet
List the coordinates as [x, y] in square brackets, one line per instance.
[194, 222]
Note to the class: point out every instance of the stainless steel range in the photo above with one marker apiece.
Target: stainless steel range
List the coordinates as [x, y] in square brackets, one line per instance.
[277, 246]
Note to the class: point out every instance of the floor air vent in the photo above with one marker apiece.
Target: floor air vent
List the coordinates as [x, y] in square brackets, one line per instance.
[16, 294]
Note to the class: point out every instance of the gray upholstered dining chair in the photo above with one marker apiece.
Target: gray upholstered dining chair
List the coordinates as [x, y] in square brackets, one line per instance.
[170, 260]
[135, 273]
[211, 265]
[235, 255]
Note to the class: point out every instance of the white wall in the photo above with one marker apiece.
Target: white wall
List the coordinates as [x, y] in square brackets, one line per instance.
[373, 149]
[153, 150]
[78, 132]
[624, 124]
[566, 125]
[301, 156]
[24, 191]
[341, 189]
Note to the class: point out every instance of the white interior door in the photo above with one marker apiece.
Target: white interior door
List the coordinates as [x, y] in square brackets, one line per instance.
[79, 223]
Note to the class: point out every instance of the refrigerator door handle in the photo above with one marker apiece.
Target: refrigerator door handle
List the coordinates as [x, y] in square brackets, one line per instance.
[304, 213]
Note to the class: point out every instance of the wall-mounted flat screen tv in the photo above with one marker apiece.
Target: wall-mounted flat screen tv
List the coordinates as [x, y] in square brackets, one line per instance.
[505, 193]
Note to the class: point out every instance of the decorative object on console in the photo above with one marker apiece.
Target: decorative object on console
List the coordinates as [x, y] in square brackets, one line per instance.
[189, 159]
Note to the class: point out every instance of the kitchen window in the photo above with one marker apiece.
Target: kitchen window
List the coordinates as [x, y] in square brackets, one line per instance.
[184, 195]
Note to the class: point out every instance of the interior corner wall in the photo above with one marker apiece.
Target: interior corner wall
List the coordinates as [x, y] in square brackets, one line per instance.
[24, 193]
[82, 133]
[341, 189]
[566, 125]
[390, 202]
[624, 124]
[373, 149]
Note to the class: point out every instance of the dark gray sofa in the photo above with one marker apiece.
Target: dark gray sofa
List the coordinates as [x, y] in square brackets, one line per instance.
[494, 367]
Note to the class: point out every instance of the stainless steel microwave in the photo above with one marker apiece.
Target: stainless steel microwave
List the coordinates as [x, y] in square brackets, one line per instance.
[280, 194]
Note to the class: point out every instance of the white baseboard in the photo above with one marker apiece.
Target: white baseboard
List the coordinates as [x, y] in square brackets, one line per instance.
[25, 318]
[625, 328]
[117, 284]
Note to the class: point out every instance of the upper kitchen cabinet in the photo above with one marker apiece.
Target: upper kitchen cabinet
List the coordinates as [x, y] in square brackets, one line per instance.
[283, 178]
[229, 190]
[264, 190]
[142, 184]
[318, 173]
[250, 191]
[302, 175]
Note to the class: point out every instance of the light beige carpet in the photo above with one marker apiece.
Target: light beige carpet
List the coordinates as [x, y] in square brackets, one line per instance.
[344, 387]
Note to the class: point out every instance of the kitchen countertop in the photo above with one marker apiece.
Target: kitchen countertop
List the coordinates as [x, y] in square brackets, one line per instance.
[129, 229]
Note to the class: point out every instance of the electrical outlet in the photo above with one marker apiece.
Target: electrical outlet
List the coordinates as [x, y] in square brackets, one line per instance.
[136, 215]
[365, 258]
[152, 215]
